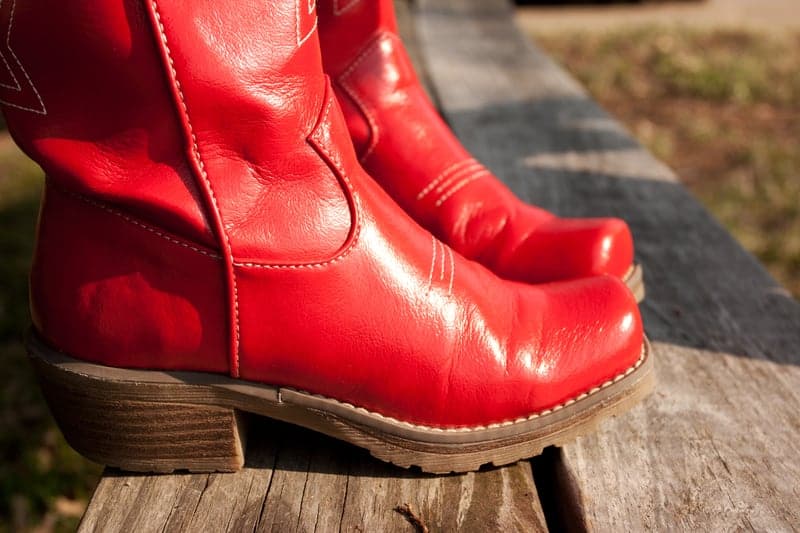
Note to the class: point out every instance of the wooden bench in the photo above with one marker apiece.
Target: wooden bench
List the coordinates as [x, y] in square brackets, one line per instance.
[715, 448]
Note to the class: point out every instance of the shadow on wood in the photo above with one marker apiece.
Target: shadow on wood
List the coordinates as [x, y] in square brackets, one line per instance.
[576, 161]
[716, 447]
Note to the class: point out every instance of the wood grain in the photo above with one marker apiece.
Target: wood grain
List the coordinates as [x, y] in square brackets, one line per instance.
[716, 448]
[295, 480]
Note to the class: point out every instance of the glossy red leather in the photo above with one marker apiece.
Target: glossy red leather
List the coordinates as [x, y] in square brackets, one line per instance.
[315, 279]
[404, 144]
[115, 290]
[87, 102]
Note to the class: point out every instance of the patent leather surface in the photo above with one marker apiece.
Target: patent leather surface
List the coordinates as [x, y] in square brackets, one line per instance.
[404, 144]
[314, 278]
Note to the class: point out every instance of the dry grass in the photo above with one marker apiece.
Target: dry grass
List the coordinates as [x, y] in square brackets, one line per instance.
[722, 109]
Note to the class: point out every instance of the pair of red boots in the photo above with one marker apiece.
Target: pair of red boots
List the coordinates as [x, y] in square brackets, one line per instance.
[210, 245]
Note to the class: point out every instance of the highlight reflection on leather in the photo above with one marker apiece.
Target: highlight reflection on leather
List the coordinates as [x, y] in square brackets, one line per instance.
[205, 210]
[404, 144]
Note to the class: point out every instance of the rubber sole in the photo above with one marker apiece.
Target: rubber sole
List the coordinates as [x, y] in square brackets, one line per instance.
[153, 421]
[634, 279]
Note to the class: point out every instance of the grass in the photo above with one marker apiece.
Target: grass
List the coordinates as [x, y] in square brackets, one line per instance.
[722, 108]
[44, 484]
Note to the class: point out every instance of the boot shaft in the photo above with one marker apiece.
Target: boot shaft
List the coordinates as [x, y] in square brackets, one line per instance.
[192, 116]
[189, 121]
[346, 26]
[85, 97]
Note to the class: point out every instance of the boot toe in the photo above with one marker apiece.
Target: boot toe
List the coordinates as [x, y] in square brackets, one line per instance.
[571, 248]
[596, 246]
[568, 338]
[603, 340]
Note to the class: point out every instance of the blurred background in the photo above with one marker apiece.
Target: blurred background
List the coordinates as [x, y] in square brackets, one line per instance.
[711, 87]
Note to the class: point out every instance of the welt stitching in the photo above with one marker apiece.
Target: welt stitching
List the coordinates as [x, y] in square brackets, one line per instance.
[204, 175]
[506, 423]
[356, 204]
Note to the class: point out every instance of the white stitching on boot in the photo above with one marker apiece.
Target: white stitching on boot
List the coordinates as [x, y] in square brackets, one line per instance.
[299, 19]
[340, 10]
[463, 182]
[43, 110]
[447, 173]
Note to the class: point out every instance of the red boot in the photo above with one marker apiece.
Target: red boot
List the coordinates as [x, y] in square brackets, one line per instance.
[404, 144]
[208, 245]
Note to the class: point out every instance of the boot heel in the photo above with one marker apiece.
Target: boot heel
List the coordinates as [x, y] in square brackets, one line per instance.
[117, 425]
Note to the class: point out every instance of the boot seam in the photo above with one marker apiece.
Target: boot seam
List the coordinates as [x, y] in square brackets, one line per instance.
[352, 241]
[197, 162]
[373, 124]
[131, 220]
[347, 7]
[342, 80]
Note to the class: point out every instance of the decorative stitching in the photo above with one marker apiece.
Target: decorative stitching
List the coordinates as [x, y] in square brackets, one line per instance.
[365, 52]
[452, 271]
[444, 254]
[467, 170]
[17, 86]
[373, 124]
[311, 5]
[353, 93]
[43, 110]
[357, 208]
[495, 425]
[196, 149]
[342, 10]
[461, 184]
[446, 262]
[455, 167]
[433, 263]
[135, 222]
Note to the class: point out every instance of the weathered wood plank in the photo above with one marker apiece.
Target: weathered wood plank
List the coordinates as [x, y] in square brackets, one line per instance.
[716, 448]
[295, 480]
